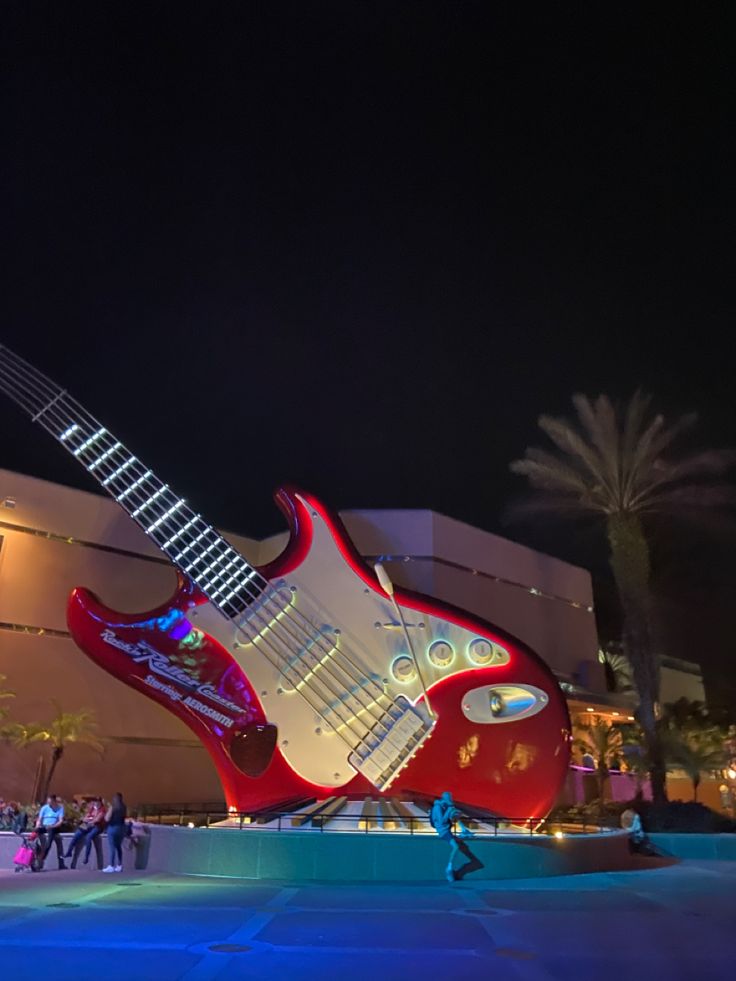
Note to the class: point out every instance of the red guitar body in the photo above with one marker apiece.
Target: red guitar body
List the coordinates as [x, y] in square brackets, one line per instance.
[263, 741]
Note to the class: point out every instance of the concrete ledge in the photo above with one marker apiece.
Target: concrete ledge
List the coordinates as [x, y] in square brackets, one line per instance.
[722, 847]
[311, 856]
[10, 843]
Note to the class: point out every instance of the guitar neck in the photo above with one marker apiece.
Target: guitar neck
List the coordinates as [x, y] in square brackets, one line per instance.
[192, 545]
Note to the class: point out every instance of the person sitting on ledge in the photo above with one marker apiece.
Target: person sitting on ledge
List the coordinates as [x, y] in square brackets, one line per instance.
[89, 828]
[48, 825]
[9, 811]
[638, 841]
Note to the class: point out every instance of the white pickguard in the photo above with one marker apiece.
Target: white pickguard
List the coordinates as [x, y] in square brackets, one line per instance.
[368, 628]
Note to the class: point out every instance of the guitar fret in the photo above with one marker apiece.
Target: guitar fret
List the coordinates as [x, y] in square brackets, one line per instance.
[221, 572]
[105, 456]
[119, 471]
[218, 594]
[198, 559]
[226, 582]
[235, 579]
[132, 487]
[190, 547]
[180, 532]
[211, 566]
[231, 594]
[68, 432]
[225, 598]
[201, 558]
[149, 502]
[164, 517]
[88, 442]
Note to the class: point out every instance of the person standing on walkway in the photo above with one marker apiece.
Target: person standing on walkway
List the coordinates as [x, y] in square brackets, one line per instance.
[442, 817]
[48, 824]
[115, 817]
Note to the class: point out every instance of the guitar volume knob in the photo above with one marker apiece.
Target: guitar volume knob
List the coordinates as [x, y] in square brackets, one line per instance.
[441, 654]
[482, 652]
[403, 669]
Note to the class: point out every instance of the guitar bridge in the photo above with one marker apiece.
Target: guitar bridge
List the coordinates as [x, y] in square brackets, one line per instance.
[391, 743]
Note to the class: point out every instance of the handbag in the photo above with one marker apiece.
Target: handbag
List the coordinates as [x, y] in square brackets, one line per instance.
[24, 856]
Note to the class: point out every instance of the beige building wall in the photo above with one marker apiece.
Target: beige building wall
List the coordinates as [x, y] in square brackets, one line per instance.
[55, 538]
[543, 601]
[680, 679]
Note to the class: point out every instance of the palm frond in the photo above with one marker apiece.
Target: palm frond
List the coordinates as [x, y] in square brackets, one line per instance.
[665, 437]
[547, 472]
[693, 496]
[599, 420]
[602, 740]
[613, 462]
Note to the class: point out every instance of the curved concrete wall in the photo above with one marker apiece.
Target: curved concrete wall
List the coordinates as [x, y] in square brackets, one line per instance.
[309, 856]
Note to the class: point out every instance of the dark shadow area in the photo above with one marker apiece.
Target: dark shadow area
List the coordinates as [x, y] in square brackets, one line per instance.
[473, 863]
[640, 863]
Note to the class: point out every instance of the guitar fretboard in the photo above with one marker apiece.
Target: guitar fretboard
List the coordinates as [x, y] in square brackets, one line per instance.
[191, 544]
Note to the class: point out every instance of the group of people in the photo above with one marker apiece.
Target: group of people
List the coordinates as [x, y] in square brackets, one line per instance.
[10, 810]
[97, 818]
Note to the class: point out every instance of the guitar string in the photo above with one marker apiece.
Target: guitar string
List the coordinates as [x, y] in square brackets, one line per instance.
[322, 713]
[107, 459]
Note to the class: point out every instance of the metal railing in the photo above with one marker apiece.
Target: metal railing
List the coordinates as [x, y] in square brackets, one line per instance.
[207, 815]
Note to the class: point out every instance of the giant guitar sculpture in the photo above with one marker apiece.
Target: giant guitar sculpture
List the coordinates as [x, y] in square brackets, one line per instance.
[310, 676]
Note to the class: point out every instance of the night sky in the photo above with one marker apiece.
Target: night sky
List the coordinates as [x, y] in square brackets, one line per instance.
[361, 246]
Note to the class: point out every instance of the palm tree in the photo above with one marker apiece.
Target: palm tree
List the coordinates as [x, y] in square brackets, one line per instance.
[617, 670]
[65, 727]
[694, 753]
[604, 743]
[689, 714]
[611, 463]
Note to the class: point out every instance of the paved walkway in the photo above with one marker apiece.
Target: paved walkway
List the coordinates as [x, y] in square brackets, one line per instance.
[672, 922]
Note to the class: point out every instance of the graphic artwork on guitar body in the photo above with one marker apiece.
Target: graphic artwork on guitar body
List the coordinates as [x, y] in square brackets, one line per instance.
[283, 699]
